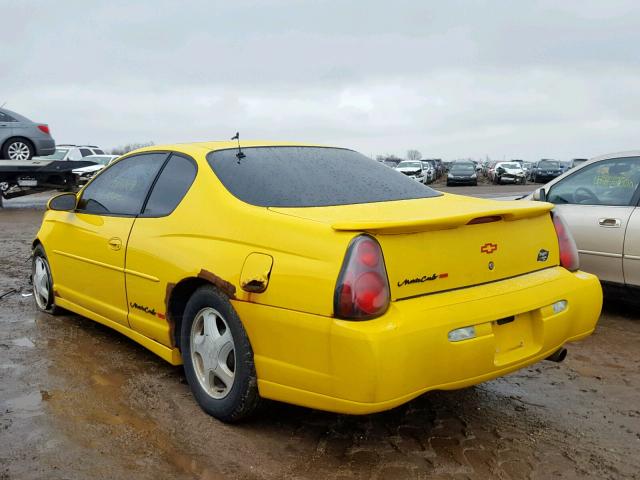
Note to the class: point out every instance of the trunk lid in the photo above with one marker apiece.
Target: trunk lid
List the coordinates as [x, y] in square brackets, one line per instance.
[448, 242]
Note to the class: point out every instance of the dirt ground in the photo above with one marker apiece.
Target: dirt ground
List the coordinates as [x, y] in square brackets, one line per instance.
[79, 401]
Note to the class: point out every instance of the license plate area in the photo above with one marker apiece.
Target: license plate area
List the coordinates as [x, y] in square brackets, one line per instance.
[27, 182]
[515, 338]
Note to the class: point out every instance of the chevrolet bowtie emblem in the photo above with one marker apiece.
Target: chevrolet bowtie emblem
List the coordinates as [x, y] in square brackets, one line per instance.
[489, 247]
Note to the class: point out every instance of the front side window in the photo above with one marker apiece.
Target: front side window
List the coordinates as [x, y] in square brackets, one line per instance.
[609, 182]
[121, 188]
[311, 177]
[172, 185]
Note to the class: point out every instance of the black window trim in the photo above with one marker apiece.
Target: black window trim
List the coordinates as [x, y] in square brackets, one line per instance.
[122, 215]
[635, 198]
[155, 180]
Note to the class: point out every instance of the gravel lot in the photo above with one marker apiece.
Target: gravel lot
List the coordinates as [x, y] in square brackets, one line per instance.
[80, 401]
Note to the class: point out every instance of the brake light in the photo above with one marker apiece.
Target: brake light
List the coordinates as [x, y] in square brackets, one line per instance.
[568, 251]
[44, 128]
[362, 291]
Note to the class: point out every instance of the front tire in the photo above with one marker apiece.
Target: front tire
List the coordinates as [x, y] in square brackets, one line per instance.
[42, 282]
[17, 149]
[217, 356]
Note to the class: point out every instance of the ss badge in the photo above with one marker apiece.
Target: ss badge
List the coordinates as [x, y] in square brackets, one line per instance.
[543, 255]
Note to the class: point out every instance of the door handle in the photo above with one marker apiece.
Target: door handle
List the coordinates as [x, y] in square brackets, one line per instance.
[115, 243]
[609, 222]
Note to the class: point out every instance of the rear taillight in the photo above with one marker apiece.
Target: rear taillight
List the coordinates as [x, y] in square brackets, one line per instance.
[568, 251]
[362, 291]
[44, 128]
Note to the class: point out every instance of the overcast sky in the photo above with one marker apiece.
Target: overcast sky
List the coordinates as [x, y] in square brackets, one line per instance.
[512, 79]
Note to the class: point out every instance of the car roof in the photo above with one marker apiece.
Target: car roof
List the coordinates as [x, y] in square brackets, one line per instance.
[77, 146]
[206, 147]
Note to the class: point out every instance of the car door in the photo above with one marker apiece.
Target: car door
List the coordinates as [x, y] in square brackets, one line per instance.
[87, 246]
[631, 258]
[156, 246]
[597, 202]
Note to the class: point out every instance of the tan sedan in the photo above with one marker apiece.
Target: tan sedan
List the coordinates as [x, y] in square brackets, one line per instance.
[599, 200]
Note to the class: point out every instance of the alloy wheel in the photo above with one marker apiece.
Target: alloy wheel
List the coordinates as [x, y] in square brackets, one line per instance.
[41, 284]
[213, 353]
[18, 151]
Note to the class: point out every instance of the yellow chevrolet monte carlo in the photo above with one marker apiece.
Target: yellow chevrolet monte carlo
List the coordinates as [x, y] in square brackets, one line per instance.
[311, 275]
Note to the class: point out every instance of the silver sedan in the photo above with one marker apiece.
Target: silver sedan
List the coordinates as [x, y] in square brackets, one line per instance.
[22, 139]
[599, 200]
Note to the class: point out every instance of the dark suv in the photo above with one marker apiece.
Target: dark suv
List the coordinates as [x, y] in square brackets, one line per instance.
[22, 139]
[545, 170]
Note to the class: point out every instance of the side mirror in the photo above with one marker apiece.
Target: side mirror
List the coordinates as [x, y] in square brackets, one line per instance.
[539, 195]
[65, 202]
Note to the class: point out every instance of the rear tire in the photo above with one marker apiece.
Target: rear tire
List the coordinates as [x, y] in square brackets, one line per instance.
[217, 356]
[42, 281]
[17, 149]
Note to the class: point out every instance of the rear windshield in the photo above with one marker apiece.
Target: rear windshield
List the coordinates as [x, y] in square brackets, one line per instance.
[311, 177]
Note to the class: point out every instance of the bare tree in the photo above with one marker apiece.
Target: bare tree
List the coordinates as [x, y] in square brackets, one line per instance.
[413, 155]
[121, 150]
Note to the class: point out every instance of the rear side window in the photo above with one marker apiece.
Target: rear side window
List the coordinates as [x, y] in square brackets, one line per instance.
[85, 151]
[311, 177]
[170, 188]
[121, 188]
[6, 118]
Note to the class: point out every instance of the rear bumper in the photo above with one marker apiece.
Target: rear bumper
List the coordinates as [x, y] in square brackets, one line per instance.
[365, 367]
[44, 146]
[504, 179]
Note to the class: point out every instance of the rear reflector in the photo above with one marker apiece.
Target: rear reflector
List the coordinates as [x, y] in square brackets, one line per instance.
[44, 128]
[460, 334]
[559, 306]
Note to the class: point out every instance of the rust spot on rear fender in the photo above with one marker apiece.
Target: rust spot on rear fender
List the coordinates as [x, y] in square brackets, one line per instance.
[228, 288]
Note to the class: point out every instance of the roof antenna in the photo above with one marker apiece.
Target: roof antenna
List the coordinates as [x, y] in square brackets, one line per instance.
[239, 155]
[2, 106]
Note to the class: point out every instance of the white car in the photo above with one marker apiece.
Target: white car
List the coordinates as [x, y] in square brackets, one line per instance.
[84, 174]
[429, 170]
[509, 172]
[73, 152]
[599, 200]
[413, 169]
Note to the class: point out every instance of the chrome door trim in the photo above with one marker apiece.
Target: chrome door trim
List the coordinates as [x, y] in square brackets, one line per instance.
[601, 254]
